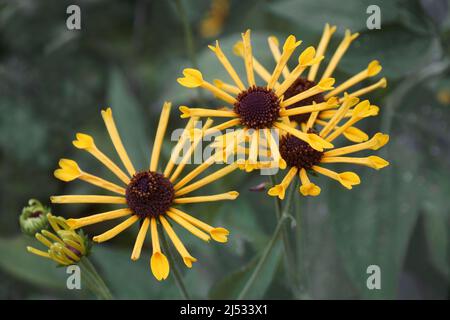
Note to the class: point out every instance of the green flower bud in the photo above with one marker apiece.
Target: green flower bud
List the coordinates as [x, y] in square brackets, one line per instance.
[33, 217]
[64, 245]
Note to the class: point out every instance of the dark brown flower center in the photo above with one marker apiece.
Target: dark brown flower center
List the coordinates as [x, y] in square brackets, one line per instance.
[149, 194]
[257, 107]
[300, 85]
[298, 153]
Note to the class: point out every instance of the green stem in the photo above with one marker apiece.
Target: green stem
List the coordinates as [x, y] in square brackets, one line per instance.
[289, 256]
[301, 257]
[176, 272]
[94, 280]
[279, 228]
[263, 258]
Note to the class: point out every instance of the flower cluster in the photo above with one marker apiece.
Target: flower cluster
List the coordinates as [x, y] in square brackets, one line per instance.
[289, 118]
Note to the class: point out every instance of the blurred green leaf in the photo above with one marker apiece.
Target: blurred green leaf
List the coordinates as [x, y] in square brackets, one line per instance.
[436, 217]
[130, 120]
[397, 58]
[126, 279]
[231, 285]
[17, 261]
[436, 9]
[313, 14]
[374, 228]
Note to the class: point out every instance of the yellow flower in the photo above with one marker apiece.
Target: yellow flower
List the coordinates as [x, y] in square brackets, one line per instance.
[260, 107]
[65, 246]
[302, 84]
[301, 158]
[150, 196]
[212, 23]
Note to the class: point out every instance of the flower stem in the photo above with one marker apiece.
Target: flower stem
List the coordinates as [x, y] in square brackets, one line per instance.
[93, 280]
[283, 217]
[176, 272]
[289, 256]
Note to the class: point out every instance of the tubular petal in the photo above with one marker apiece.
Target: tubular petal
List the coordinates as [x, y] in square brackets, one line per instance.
[192, 229]
[192, 78]
[279, 190]
[323, 85]
[377, 141]
[382, 83]
[231, 195]
[140, 240]
[116, 230]
[187, 112]
[321, 49]
[229, 88]
[274, 48]
[157, 143]
[288, 49]
[117, 142]
[373, 162]
[207, 180]
[248, 58]
[372, 70]
[160, 266]
[96, 218]
[88, 199]
[187, 258]
[340, 51]
[179, 146]
[86, 142]
[69, 170]
[227, 65]
[349, 102]
[102, 183]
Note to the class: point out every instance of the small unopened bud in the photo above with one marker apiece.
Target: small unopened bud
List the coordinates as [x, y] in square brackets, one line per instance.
[34, 217]
[64, 245]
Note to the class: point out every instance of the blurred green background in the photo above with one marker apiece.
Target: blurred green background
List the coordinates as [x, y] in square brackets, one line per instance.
[128, 54]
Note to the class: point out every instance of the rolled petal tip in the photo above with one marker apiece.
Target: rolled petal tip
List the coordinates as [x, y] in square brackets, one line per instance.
[219, 234]
[159, 266]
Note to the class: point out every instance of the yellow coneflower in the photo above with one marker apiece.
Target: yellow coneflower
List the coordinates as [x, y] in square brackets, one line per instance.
[65, 246]
[212, 23]
[257, 109]
[302, 84]
[149, 196]
[301, 158]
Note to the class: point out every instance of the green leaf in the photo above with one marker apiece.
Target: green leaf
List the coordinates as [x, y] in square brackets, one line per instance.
[130, 120]
[17, 261]
[313, 14]
[436, 228]
[127, 279]
[393, 47]
[231, 285]
[374, 227]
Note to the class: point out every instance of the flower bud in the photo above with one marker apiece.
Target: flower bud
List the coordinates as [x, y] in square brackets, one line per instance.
[33, 217]
[64, 245]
